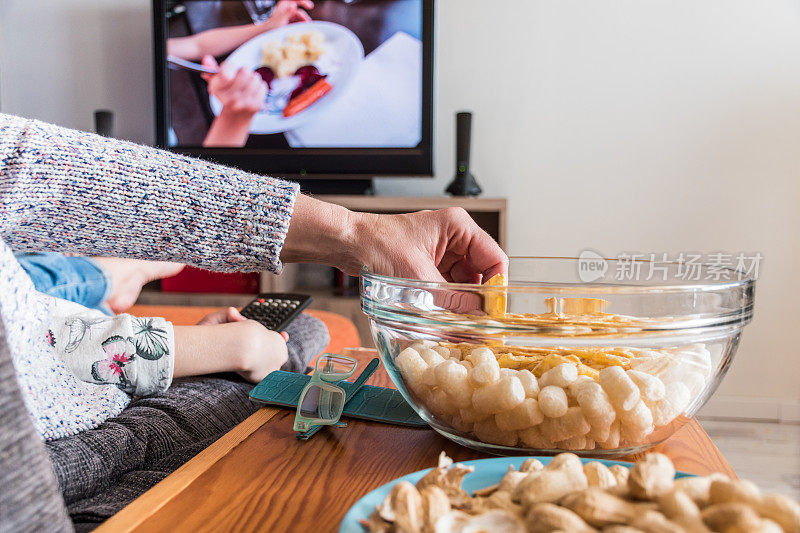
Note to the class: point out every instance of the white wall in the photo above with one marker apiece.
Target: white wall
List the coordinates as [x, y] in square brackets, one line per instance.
[62, 59]
[657, 126]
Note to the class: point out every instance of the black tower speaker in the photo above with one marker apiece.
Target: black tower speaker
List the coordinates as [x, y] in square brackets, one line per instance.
[464, 183]
[104, 122]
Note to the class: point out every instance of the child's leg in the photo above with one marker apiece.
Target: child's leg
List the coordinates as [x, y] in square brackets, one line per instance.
[308, 337]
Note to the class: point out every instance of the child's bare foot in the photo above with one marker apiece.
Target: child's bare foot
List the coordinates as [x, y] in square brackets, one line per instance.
[128, 276]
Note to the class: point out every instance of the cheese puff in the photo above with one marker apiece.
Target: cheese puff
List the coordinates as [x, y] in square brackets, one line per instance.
[430, 357]
[484, 374]
[439, 404]
[470, 415]
[597, 408]
[695, 382]
[533, 438]
[503, 395]
[579, 442]
[560, 376]
[553, 402]
[424, 343]
[572, 424]
[636, 424]
[576, 385]
[656, 366]
[612, 441]
[412, 367]
[487, 431]
[529, 383]
[481, 355]
[695, 357]
[523, 416]
[454, 380]
[676, 399]
[650, 387]
[508, 373]
[459, 424]
[443, 351]
[620, 388]
[429, 377]
[621, 474]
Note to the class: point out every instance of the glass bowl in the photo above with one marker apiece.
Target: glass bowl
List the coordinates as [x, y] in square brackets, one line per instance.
[599, 357]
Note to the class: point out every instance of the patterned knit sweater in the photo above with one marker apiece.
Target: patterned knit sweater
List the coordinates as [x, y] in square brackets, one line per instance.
[70, 191]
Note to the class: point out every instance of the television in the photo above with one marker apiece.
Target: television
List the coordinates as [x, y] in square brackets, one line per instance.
[341, 92]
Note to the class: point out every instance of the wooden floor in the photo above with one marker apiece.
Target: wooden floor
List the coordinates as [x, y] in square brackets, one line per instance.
[763, 452]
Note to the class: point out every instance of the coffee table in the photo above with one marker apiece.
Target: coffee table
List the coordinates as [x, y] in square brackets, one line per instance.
[258, 477]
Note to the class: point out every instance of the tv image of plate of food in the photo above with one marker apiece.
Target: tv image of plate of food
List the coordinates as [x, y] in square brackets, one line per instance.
[307, 66]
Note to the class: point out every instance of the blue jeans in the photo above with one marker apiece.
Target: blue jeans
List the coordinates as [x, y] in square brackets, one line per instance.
[77, 279]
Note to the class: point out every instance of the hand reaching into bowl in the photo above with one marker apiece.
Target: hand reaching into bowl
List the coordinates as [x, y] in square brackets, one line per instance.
[443, 245]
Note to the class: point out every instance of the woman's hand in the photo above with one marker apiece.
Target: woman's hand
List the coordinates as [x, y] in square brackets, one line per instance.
[443, 245]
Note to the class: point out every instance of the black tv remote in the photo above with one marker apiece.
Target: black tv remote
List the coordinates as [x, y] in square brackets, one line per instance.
[275, 311]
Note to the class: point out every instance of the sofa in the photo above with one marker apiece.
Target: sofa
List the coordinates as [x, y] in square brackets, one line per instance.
[80, 481]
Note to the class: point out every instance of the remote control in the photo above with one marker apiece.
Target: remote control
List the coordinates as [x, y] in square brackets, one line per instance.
[276, 311]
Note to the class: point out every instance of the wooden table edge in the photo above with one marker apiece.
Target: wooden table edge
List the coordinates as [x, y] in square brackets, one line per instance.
[149, 503]
[152, 501]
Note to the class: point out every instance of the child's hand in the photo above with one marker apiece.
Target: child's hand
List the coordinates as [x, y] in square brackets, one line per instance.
[225, 341]
[259, 350]
[288, 11]
[223, 316]
[242, 93]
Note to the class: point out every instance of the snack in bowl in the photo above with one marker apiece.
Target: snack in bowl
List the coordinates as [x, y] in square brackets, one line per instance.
[554, 398]
[573, 496]
[602, 369]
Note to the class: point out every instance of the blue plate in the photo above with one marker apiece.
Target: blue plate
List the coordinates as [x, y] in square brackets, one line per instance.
[487, 472]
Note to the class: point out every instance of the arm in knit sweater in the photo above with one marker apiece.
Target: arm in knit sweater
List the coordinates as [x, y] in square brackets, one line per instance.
[70, 191]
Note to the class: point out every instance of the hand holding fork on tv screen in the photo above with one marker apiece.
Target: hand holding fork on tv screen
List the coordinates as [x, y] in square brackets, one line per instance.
[241, 92]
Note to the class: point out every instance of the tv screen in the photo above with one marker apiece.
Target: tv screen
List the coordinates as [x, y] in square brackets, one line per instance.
[338, 88]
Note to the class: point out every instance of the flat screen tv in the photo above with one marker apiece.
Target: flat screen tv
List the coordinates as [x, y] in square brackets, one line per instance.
[343, 90]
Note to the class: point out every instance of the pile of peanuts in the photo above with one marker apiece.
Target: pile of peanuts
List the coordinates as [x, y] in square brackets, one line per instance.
[557, 402]
[567, 495]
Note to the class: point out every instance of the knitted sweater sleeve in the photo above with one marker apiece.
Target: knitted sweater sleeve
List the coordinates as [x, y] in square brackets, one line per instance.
[70, 191]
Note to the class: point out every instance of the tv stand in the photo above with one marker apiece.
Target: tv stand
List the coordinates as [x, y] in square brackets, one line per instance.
[349, 187]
